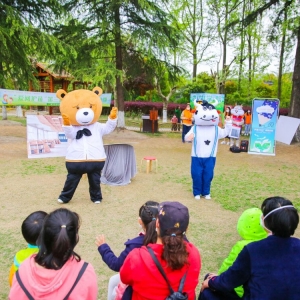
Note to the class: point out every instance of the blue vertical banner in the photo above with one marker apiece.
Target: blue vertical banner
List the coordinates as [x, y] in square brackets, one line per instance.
[264, 119]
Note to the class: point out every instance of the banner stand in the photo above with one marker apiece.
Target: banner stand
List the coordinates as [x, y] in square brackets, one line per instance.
[263, 128]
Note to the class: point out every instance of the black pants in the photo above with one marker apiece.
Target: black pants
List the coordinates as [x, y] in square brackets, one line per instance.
[208, 294]
[75, 172]
[185, 130]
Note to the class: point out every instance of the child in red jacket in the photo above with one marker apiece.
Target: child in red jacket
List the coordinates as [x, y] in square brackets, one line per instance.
[147, 217]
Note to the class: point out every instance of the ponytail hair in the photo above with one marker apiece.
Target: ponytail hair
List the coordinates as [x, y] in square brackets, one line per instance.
[58, 238]
[174, 250]
[148, 214]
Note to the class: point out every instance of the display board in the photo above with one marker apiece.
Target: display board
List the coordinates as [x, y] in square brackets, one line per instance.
[263, 127]
[286, 128]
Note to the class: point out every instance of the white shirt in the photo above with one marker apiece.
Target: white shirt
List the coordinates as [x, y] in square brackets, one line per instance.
[88, 147]
[204, 140]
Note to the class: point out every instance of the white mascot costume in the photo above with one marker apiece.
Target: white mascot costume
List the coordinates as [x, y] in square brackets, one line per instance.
[205, 134]
[237, 117]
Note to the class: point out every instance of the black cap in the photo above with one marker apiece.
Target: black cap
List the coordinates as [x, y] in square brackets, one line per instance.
[173, 215]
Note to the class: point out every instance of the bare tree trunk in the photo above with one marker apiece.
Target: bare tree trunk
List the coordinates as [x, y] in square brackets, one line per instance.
[4, 112]
[295, 98]
[241, 59]
[165, 99]
[281, 58]
[119, 67]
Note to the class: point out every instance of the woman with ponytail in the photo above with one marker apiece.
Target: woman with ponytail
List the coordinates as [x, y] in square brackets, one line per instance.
[53, 273]
[147, 219]
[176, 256]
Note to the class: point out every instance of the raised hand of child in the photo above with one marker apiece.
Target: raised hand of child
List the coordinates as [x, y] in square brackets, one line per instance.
[100, 240]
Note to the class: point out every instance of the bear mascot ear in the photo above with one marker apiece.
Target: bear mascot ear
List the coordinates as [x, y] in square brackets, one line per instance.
[97, 90]
[60, 94]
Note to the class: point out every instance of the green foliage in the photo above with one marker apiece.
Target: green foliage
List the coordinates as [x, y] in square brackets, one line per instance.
[193, 87]
[264, 90]
[207, 82]
[230, 87]
[23, 35]
[262, 86]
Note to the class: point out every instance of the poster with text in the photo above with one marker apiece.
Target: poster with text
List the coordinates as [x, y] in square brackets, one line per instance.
[263, 128]
[21, 98]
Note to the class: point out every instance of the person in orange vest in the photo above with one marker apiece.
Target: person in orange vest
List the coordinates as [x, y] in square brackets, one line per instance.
[186, 117]
[248, 121]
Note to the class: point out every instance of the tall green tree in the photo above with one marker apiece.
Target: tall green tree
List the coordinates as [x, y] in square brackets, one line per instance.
[294, 23]
[192, 21]
[111, 23]
[222, 13]
[24, 36]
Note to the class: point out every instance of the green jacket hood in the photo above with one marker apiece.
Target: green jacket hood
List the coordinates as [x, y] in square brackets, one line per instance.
[249, 227]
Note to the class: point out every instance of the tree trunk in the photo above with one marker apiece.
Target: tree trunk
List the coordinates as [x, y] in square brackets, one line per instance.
[295, 98]
[281, 58]
[119, 67]
[4, 112]
[242, 47]
[19, 112]
[165, 112]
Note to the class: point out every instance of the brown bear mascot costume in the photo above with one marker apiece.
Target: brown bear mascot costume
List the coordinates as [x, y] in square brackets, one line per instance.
[80, 110]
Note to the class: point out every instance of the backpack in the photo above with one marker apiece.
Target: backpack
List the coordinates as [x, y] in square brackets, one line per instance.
[29, 296]
[244, 146]
[179, 295]
[235, 149]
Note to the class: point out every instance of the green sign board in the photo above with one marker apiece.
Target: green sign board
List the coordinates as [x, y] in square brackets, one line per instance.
[21, 98]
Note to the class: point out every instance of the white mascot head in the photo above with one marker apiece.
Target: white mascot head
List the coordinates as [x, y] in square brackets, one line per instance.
[205, 114]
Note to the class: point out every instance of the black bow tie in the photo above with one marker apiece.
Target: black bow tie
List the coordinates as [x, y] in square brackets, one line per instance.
[82, 132]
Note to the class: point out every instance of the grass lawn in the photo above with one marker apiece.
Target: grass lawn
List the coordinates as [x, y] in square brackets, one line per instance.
[241, 181]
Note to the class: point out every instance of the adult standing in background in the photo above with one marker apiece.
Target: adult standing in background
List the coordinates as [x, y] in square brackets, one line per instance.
[248, 120]
[186, 117]
[178, 116]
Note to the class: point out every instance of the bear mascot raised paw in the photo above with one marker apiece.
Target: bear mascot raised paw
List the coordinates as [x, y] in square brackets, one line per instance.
[205, 134]
[80, 110]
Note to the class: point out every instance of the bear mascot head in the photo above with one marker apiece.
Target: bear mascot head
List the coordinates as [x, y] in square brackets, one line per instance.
[82, 107]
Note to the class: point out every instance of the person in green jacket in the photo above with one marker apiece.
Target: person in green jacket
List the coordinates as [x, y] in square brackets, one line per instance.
[178, 116]
[250, 230]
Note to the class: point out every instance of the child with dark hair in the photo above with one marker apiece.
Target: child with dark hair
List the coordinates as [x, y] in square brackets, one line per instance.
[31, 228]
[269, 268]
[147, 218]
[56, 272]
[174, 122]
[178, 258]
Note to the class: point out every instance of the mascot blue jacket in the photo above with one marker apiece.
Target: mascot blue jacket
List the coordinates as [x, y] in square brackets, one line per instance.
[204, 135]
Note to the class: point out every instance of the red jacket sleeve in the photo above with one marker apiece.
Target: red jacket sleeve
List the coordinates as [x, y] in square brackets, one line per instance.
[126, 270]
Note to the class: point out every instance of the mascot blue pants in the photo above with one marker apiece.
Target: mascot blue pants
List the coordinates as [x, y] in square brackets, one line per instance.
[202, 171]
